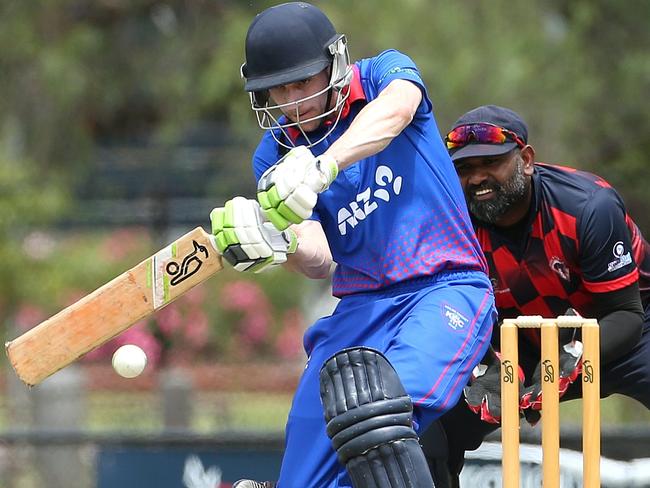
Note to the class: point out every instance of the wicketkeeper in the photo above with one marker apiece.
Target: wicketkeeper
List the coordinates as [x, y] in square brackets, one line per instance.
[558, 241]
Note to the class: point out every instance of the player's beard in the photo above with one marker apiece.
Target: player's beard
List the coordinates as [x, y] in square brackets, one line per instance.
[510, 193]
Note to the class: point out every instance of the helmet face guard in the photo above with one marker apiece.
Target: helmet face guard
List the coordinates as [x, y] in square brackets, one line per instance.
[272, 116]
[286, 44]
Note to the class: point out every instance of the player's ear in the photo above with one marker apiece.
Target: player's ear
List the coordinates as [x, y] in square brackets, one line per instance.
[527, 154]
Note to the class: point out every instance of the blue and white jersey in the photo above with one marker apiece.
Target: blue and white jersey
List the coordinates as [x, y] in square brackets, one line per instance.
[399, 214]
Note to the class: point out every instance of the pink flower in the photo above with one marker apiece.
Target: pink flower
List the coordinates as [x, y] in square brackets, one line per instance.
[243, 295]
[197, 329]
[169, 319]
[28, 316]
[288, 343]
[120, 243]
[101, 353]
[138, 335]
[255, 327]
[195, 297]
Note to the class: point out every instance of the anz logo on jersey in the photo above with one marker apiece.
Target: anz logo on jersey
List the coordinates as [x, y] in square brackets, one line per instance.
[368, 200]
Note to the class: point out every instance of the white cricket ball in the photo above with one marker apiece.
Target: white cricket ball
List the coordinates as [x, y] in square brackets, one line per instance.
[129, 361]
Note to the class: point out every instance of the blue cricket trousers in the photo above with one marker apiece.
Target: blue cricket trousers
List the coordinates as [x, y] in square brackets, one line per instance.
[433, 330]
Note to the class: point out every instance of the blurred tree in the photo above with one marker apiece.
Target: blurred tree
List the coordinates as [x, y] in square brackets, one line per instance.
[76, 75]
[24, 204]
[576, 70]
[607, 122]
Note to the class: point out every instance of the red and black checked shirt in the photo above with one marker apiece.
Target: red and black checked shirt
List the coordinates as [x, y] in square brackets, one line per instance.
[580, 242]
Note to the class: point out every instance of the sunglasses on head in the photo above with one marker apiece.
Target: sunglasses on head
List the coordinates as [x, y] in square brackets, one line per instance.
[481, 133]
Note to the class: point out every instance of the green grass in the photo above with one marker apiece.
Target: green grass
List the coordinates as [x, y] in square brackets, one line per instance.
[614, 410]
[242, 411]
[214, 411]
[211, 411]
[123, 411]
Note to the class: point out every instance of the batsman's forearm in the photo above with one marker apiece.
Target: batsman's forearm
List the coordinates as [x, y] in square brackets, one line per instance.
[313, 257]
[377, 124]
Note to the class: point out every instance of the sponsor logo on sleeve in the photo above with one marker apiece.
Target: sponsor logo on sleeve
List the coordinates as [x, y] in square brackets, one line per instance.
[622, 258]
[399, 69]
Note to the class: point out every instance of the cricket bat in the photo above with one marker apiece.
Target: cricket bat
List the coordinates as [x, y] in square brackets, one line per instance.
[114, 307]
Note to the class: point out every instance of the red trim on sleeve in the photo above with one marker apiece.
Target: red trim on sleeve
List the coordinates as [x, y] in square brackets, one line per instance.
[613, 285]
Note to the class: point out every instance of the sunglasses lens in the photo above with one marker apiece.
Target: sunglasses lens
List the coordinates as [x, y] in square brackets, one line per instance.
[456, 137]
[475, 133]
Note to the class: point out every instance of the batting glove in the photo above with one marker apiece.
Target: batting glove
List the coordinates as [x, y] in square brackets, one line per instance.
[289, 189]
[246, 239]
[483, 394]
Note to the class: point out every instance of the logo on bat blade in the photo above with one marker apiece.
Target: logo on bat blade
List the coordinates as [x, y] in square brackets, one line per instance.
[190, 265]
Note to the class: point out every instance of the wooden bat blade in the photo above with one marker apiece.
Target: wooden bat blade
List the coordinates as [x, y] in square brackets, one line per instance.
[115, 306]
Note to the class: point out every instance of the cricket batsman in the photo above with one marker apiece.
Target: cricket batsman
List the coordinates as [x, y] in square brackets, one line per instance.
[352, 174]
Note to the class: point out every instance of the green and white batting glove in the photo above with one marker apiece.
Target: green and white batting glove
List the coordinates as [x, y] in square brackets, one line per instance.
[289, 189]
[246, 239]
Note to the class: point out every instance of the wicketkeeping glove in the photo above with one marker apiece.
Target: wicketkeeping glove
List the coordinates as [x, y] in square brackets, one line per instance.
[288, 190]
[569, 368]
[483, 394]
[246, 239]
